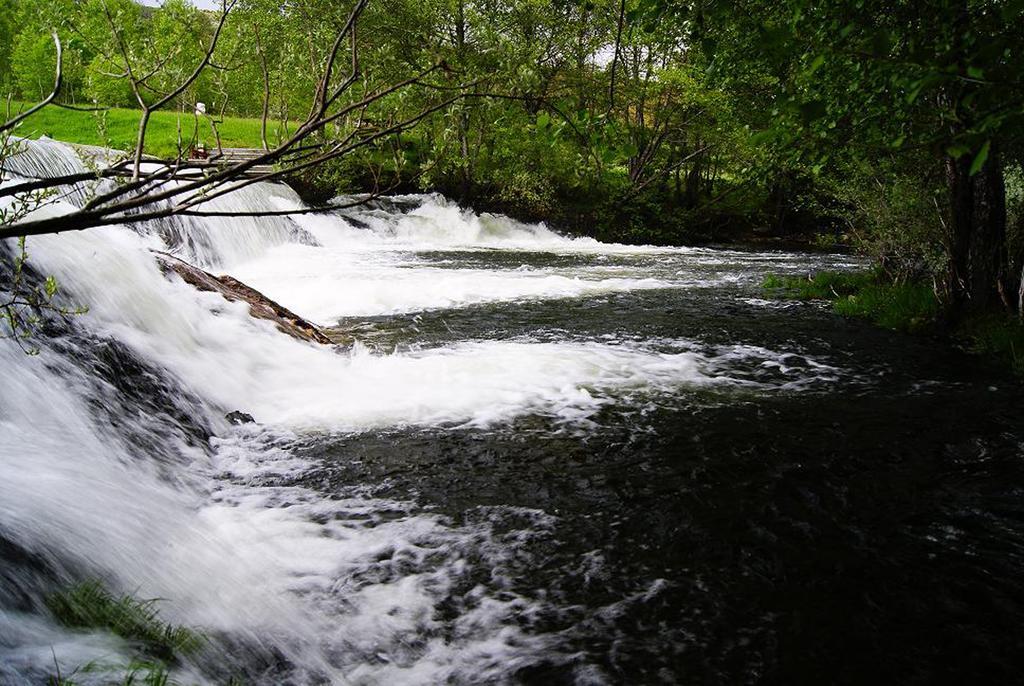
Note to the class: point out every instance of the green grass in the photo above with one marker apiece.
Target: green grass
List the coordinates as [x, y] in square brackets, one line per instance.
[910, 307]
[89, 605]
[996, 336]
[135, 673]
[117, 128]
[820, 286]
[904, 307]
[899, 306]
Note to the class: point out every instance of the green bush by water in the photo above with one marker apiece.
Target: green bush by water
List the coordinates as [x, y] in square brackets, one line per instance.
[899, 306]
[820, 286]
[911, 307]
[997, 336]
[904, 307]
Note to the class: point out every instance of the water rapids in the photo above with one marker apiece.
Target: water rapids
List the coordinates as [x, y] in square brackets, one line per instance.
[540, 459]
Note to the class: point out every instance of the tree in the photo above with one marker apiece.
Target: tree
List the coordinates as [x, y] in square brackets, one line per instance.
[876, 79]
[8, 31]
[342, 119]
[347, 111]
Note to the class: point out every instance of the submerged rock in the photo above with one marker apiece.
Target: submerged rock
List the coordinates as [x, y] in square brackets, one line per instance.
[260, 306]
[238, 418]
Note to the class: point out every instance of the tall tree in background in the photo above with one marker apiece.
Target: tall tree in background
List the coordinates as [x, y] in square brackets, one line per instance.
[874, 79]
[346, 110]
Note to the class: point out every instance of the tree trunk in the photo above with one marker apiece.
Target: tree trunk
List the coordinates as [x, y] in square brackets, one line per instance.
[230, 288]
[693, 179]
[779, 202]
[265, 112]
[466, 180]
[1015, 287]
[1020, 295]
[140, 142]
[678, 174]
[979, 276]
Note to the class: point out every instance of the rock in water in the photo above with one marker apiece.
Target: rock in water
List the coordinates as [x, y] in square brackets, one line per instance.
[237, 418]
[232, 289]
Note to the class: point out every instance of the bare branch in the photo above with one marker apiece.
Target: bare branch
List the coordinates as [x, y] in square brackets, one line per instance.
[227, 6]
[151, 194]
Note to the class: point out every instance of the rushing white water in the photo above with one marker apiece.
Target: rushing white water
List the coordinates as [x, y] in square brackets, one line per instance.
[347, 588]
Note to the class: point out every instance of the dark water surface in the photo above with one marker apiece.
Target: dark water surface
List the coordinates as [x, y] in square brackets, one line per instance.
[866, 530]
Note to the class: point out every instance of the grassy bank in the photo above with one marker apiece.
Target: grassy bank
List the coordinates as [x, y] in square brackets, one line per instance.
[910, 307]
[117, 128]
[90, 607]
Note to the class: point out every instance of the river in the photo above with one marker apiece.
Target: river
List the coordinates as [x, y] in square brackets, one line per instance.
[538, 460]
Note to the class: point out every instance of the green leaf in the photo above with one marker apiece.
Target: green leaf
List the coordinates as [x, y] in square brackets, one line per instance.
[543, 119]
[979, 159]
[957, 150]
[775, 36]
[914, 91]
[815, 65]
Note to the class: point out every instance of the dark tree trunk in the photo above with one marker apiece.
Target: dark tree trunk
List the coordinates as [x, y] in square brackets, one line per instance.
[1016, 268]
[677, 175]
[260, 306]
[466, 166]
[466, 171]
[693, 179]
[779, 202]
[979, 277]
[1020, 293]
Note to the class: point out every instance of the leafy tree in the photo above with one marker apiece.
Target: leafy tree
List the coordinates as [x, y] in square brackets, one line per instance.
[9, 29]
[864, 80]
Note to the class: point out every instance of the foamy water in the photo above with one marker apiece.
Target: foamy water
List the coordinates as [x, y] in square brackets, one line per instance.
[348, 588]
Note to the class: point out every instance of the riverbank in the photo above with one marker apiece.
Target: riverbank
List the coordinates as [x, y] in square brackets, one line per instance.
[737, 214]
[117, 128]
[906, 306]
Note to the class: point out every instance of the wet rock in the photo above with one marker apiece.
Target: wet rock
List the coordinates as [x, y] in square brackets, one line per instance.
[260, 306]
[238, 418]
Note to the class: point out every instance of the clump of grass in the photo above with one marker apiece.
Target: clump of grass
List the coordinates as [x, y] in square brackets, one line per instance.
[820, 286]
[899, 306]
[90, 605]
[903, 307]
[909, 307]
[135, 673]
[997, 336]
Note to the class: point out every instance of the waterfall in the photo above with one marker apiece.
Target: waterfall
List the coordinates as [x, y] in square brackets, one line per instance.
[47, 158]
[219, 242]
[209, 242]
[117, 462]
